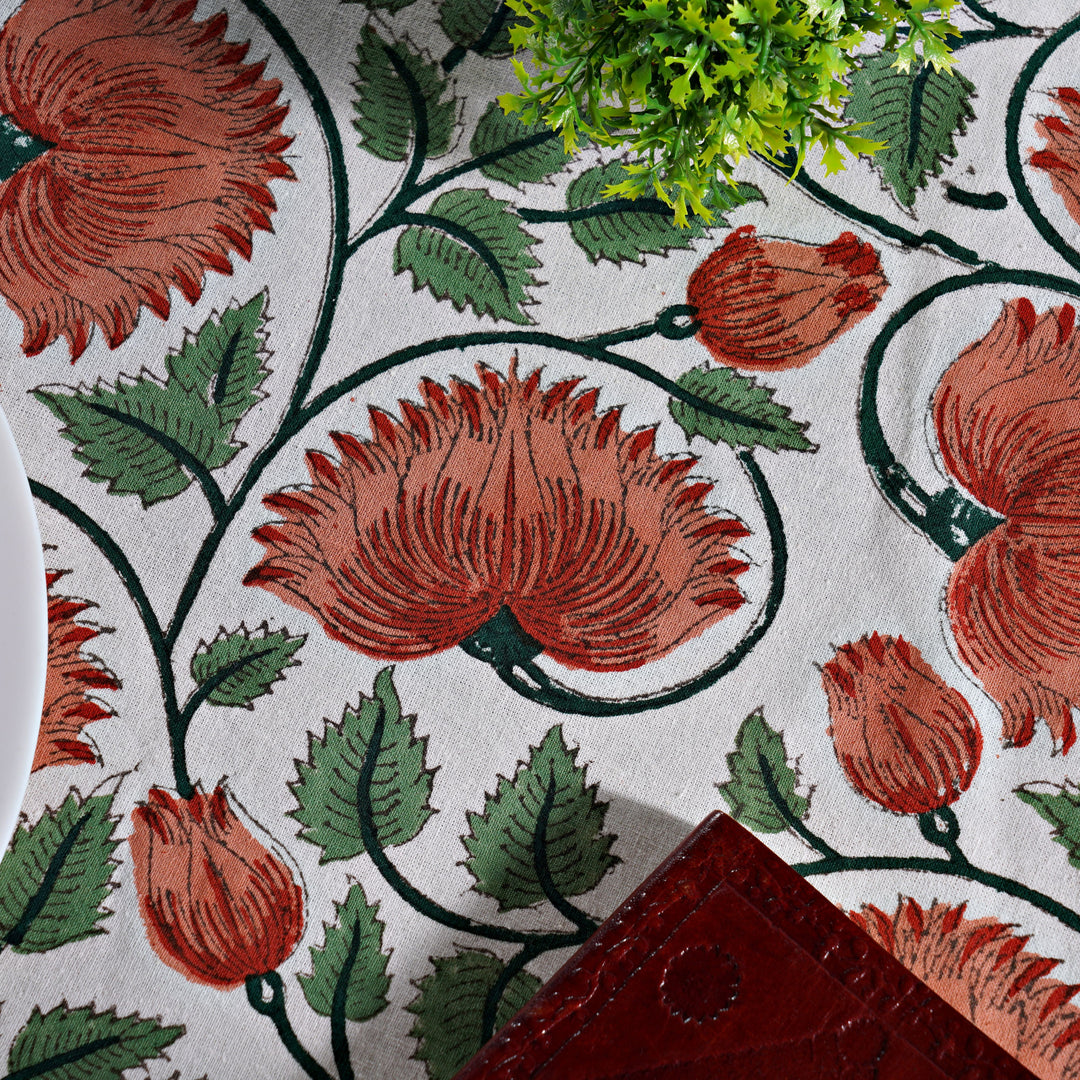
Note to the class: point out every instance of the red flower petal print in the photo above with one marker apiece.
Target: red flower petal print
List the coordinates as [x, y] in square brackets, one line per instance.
[1060, 158]
[70, 678]
[1007, 415]
[218, 906]
[503, 496]
[981, 968]
[904, 737]
[158, 147]
[770, 305]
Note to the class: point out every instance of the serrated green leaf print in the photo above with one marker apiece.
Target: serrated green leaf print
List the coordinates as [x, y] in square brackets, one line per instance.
[57, 874]
[450, 1008]
[500, 845]
[622, 229]
[80, 1044]
[465, 22]
[473, 251]
[532, 164]
[351, 950]
[1059, 805]
[916, 114]
[242, 665]
[326, 784]
[144, 436]
[746, 793]
[386, 105]
[755, 419]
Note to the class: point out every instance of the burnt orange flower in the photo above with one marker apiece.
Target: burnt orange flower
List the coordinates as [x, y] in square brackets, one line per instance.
[218, 906]
[137, 151]
[70, 678]
[496, 500]
[769, 305]
[981, 968]
[1060, 158]
[1007, 414]
[905, 738]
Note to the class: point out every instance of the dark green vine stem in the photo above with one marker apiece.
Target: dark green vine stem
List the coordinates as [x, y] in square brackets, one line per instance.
[493, 998]
[948, 518]
[339, 1037]
[543, 690]
[275, 1010]
[1013, 116]
[585, 923]
[459, 52]
[409, 893]
[956, 865]
[794, 823]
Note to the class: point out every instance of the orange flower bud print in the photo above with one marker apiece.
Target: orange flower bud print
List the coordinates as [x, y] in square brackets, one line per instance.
[905, 739]
[218, 906]
[769, 305]
[1007, 416]
[504, 500]
[136, 149]
[1060, 157]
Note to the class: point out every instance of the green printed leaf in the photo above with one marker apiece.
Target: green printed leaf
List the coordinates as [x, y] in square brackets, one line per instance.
[498, 130]
[57, 874]
[142, 436]
[501, 842]
[384, 106]
[351, 949]
[755, 420]
[243, 665]
[619, 229]
[1059, 805]
[473, 251]
[916, 113]
[79, 1044]
[326, 784]
[746, 793]
[450, 1008]
[465, 22]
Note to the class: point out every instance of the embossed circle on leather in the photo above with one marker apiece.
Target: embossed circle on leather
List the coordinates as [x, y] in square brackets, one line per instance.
[700, 983]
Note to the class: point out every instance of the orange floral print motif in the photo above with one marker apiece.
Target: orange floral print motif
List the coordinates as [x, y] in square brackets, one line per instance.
[769, 305]
[158, 147]
[1060, 158]
[70, 678]
[504, 496]
[981, 968]
[903, 736]
[218, 906]
[1007, 415]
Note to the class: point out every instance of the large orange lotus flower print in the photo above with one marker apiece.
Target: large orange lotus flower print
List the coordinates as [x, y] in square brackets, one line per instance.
[1007, 414]
[498, 498]
[136, 149]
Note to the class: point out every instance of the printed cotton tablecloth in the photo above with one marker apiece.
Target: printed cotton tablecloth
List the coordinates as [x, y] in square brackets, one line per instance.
[433, 542]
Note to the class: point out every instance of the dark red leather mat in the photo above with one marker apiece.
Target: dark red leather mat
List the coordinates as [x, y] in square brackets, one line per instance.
[727, 964]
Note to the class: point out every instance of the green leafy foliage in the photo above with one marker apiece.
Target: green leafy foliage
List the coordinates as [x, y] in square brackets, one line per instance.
[1059, 805]
[746, 793]
[691, 88]
[80, 1044]
[450, 1008]
[141, 435]
[916, 114]
[243, 665]
[465, 22]
[500, 846]
[386, 112]
[352, 949]
[630, 229]
[496, 131]
[326, 784]
[756, 420]
[472, 250]
[57, 874]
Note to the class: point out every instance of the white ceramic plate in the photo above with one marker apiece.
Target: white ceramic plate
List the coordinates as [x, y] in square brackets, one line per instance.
[24, 632]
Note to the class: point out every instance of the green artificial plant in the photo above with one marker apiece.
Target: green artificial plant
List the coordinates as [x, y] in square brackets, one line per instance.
[692, 86]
